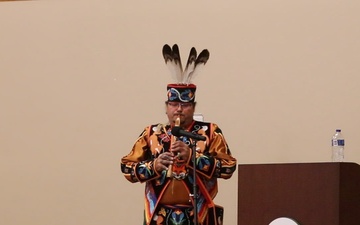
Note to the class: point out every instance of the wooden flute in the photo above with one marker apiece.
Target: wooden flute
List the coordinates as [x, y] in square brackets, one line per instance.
[173, 139]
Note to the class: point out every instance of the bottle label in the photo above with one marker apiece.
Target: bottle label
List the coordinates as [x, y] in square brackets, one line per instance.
[339, 142]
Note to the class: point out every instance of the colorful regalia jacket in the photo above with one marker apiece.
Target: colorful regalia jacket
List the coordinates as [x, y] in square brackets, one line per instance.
[213, 160]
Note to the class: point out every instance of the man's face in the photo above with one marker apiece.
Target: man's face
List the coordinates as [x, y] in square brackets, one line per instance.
[185, 111]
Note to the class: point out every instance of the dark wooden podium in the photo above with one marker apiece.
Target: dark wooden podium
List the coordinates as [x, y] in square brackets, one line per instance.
[309, 193]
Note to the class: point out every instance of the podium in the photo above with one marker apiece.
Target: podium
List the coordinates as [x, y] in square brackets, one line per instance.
[309, 193]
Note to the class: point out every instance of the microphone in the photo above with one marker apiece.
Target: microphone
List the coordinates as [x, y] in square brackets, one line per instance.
[178, 132]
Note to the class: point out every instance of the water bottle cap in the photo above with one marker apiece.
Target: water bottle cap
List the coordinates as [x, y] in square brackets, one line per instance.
[338, 130]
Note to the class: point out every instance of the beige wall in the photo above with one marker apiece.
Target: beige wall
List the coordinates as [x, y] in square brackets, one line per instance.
[80, 79]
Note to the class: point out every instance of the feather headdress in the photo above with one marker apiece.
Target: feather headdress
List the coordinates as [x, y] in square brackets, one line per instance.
[193, 66]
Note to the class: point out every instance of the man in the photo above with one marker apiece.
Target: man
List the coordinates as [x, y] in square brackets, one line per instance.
[164, 162]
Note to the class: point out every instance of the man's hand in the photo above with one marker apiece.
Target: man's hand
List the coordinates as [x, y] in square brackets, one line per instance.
[180, 150]
[163, 161]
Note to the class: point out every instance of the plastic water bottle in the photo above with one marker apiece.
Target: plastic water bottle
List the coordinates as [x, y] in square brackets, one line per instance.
[338, 145]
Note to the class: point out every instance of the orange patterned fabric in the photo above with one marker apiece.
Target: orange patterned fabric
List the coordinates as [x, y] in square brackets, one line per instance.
[213, 161]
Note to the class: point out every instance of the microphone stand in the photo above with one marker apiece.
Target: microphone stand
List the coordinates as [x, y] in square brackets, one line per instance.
[194, 194]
